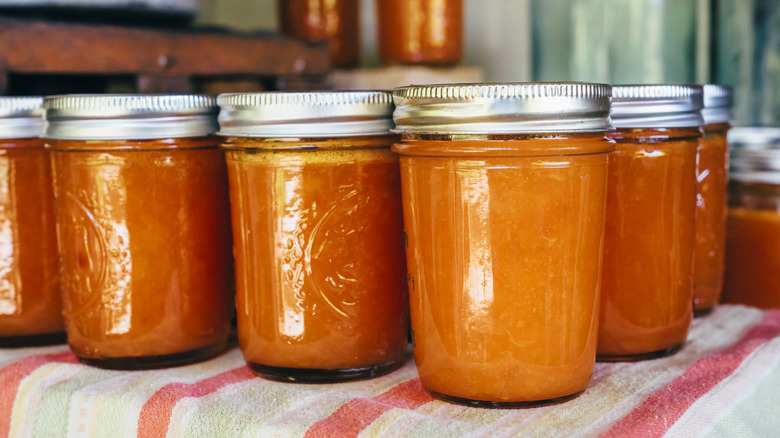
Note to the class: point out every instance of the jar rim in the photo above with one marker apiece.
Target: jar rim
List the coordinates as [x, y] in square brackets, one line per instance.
[657, 106]
[21, 116]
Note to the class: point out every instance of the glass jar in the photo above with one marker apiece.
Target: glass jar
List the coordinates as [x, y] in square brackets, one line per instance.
[712, 178]
[30, 309]
[334, 21]
[503, 193]
[316, 202]
[420, 31]
[647, 285]
[753, 230]
[143, 223]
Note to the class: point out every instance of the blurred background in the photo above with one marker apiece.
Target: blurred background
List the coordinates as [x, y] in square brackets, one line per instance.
[730, 42]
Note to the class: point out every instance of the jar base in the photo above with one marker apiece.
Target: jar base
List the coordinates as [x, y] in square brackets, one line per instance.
[638, 357]
[33, 340]
[316, 375]
[153, 362]
[503, 405]
[702, 312]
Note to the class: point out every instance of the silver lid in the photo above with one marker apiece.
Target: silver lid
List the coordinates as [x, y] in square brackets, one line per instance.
[755, 154]
[21, 117]
[508, 108]
[313, 114]
[657, 106]
[129, 117]
[717, 104]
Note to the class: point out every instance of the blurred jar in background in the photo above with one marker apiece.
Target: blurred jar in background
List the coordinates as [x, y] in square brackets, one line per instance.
[753, 227]
[334, 21]
[712, 178]
[420, 31]
[143, 228]
[614, 41]
[30, 310]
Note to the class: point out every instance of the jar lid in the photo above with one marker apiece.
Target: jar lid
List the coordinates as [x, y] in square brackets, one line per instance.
[21, 117]
[506, 108]
[755, 154]
[657, 106]
[312, 114]
[129, 117]
[717, 104]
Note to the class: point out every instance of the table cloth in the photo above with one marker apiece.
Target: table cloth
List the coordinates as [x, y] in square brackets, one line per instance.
[724, 382]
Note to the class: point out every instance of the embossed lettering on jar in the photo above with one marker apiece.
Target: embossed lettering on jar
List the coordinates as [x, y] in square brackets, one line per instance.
[144, 228]
[320, 270]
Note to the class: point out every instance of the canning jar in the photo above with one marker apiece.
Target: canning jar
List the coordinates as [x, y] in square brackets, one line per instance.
[420, 31]
[753, 229]
[143, 224]
[503, 191]
[316, 202]
[334, 21]
[712, 178]
[30, 310]
[647, 285]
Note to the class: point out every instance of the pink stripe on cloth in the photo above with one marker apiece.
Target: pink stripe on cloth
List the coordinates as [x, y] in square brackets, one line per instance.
[663, 408]
[357, 414]
[156, 412]
[12, 375]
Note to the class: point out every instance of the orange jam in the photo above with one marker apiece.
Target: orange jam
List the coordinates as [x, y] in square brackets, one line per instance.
[420, 32]
[334, 21]
[319, 256]
[647, 285]
[753, 244]
[505, 236]
[709, 254]
[30, 312]
[144, 240]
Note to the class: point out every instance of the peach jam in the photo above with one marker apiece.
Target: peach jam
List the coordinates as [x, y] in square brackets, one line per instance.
[504, 189]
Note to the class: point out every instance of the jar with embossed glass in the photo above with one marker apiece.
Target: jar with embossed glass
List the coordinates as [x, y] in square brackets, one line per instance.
[316, 204]
[143, 222]
[30, 310]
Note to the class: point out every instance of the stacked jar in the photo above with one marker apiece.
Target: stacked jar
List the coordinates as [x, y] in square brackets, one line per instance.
[316, 203]
[143, 223]
[30, 312]
[647, 285]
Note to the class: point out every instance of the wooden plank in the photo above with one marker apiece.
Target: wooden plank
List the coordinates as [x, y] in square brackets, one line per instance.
[163, 84]
[29, 46]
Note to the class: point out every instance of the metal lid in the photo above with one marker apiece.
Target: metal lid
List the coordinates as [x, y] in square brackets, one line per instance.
[657, 106]
[717, 104]
[507, 108]
[755, 154]
[129, 117]
[313, 114]
[21, 117]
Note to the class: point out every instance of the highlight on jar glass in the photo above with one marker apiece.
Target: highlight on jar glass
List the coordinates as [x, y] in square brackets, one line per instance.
[712, 179]
[647, 284]
[30, 305]
[143, 225]
[420, 31]
[753, 229]
[504, 191]
[334, 21]
[316, 202]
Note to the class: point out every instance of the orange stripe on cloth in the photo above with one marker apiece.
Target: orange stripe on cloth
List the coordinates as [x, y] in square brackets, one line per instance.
[156, 412]
[13, 375]
[663, 408]
[357, 414]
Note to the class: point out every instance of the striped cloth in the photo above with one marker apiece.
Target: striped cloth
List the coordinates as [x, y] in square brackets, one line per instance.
[724, 382]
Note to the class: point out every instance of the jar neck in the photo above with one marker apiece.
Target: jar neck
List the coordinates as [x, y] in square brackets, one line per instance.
[292, 143]
[204, 142]
[538, 144]
[654, 135]
[22, 143]
[716, 129]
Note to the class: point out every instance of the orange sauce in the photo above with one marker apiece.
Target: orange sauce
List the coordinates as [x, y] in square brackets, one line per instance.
[505, 239]
[144, 238]
[30, 309]
[334, 21]
[420, 31]
[709, 249]
[319, 257]
[647, 292]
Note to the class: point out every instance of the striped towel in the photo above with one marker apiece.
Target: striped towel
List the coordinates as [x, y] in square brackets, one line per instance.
[724, 382]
